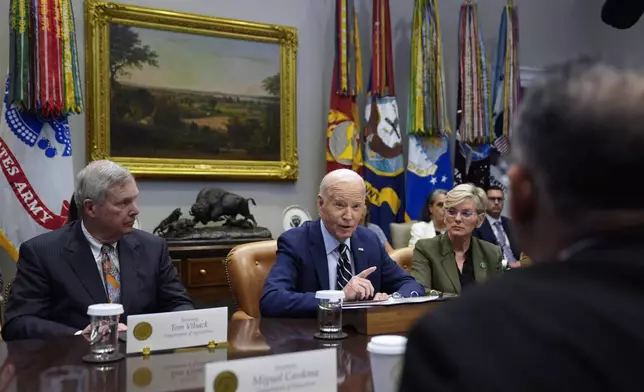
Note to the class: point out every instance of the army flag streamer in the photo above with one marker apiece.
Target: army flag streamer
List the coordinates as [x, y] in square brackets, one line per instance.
[429, 165]
[506, 92]
[384, 166]
[473, 120]
[41, 90]
[343, 143]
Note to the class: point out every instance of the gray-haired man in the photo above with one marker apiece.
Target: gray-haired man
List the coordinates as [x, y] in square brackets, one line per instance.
[97, 259]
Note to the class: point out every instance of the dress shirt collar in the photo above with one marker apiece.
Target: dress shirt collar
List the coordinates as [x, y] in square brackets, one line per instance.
[493, 220]
[330, 242]
[94, 244]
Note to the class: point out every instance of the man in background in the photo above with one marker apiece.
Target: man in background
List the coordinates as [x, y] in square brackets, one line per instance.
[98, 259]
[497, 229]
[573, 320]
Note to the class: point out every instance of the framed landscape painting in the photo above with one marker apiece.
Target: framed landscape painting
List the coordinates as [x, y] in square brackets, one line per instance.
[173, 94]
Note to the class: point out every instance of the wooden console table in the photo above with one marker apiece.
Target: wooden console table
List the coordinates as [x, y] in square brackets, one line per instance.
[200, 264]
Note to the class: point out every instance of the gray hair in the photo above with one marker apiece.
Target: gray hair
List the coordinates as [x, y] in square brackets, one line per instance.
[339, 175]
[581, 125]
[462, 192]
[96, 179]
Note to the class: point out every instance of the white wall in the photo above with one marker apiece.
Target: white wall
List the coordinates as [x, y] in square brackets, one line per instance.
[551, 30]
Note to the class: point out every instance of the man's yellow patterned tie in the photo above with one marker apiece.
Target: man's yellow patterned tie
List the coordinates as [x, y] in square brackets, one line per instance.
[111, 275]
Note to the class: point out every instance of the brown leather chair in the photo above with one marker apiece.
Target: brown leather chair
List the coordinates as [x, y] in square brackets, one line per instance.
[247, 267]
[403, 257]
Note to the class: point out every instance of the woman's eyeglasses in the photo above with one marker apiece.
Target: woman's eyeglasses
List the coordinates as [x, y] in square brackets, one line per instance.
[453, 212]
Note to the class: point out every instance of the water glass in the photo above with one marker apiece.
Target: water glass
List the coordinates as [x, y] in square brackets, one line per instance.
[330, 311]
[104, 321]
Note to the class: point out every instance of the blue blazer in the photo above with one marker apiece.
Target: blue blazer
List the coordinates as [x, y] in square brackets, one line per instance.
[301, 269]
[486, 233]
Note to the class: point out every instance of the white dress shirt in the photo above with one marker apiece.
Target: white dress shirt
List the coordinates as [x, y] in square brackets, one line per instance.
[95, 245]
[492, 220]
[333, 255]
[421, 230]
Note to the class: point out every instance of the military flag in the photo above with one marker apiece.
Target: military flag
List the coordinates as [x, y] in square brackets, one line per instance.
[384, 166]
[507, 90]
[42, 88]
[473, 112]
[429, 164]
[343, 143]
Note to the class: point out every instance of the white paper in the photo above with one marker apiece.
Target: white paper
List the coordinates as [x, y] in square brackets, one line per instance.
[391, 301]
[172, 330]
[307, 371]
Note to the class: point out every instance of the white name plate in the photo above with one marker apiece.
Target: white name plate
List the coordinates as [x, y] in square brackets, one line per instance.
[310, 371]
[164, 331]
[171, 372]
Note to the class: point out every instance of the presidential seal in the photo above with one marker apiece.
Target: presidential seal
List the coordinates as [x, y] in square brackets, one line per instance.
[225, 382]
[142, 331]
[142, 377]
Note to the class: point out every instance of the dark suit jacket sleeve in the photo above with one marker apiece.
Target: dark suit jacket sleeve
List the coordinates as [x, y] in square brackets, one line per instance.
[431, 361]
[279, 297]
[395, 279]
[29, 297]
[171, 295]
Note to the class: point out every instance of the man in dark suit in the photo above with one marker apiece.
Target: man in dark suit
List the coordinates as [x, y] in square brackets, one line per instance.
[573, 320]
[97, 259]
[333, 252]
[497, 229]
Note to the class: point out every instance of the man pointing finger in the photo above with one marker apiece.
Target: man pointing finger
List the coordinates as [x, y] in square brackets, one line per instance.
[333, 252]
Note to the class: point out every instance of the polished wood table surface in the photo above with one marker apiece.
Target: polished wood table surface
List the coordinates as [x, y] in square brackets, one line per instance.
[57, 365]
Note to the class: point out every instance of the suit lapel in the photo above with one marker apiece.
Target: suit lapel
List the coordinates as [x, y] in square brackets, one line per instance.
[128, 264]
[449, 263]
[480, 267]
[318, 254]
[357, 251]
[83, 263]
[487, 234]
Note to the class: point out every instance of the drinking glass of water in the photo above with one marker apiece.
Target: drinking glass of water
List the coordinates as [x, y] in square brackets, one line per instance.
[330, 313]
[104, 322]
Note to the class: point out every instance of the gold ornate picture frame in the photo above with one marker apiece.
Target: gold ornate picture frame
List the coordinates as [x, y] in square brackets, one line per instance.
[173, 94]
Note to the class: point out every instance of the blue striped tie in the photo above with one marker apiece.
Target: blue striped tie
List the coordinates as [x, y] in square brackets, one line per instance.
[344, 267]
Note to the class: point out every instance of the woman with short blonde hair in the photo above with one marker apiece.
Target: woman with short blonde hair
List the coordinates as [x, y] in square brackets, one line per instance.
[456, 259]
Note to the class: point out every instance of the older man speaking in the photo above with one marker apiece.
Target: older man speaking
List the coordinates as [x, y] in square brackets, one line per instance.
[333, 252]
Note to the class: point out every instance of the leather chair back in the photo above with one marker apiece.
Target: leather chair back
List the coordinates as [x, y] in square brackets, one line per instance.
[247, 267]
[403, 257]
[400, 234]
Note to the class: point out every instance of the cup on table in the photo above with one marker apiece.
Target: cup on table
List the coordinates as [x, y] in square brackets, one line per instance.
[330, 311]
[386, 354]
[104, 322]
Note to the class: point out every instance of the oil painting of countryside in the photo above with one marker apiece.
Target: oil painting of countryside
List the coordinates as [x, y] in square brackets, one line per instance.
[185, 96]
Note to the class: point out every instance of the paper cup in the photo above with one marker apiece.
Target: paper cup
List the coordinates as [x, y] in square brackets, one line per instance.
[386, 354]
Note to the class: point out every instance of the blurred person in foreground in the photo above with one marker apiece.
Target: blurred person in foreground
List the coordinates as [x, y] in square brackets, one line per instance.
[98, 258]
[573, 320]
[456, 260]
[333, 252]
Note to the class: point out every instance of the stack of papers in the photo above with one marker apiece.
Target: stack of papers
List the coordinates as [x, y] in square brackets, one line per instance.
[391, 301]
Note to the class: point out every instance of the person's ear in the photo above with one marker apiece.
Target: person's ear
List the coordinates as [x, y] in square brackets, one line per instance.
[320, 203]
[523, 203]
[89, 208]
[479, 220]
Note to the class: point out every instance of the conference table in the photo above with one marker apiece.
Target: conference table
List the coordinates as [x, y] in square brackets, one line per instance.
[57, 365]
